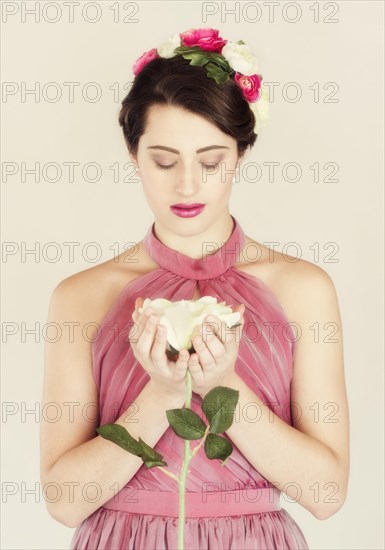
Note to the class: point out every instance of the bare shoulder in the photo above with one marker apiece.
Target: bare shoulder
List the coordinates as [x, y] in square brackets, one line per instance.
[89, 294]
[297, 283]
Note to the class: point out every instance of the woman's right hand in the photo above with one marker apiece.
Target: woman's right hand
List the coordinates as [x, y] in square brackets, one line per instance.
[149, 347]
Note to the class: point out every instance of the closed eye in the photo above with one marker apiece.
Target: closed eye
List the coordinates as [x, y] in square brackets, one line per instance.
[164, 166]
[168, 166]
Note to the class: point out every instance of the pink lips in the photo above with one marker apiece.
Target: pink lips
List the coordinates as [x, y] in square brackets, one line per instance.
[184, 206]
[187, 210]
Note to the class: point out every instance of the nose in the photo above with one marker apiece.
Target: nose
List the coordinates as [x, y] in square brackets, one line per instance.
[187, 184]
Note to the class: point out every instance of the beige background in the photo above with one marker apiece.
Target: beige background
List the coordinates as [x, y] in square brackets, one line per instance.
[347, 213]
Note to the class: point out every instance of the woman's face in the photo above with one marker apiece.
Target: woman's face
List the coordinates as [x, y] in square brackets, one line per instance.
[183, 158]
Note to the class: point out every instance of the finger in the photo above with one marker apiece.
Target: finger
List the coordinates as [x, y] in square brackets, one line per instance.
[204, 355]
[219, 342]
[138, 304]
[147, 337]
[235, 335]
[240, 309]
[213, 326]
[136, 316]
[138, 328]
[237, 331]
[195, 368]
[141, 318]
[214, 347]
[182, 362]
[158, 350]
[232, 336]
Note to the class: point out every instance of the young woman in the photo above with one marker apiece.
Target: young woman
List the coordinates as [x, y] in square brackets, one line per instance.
[187, 127]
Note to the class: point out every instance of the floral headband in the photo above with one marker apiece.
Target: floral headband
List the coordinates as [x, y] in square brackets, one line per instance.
[222, 60]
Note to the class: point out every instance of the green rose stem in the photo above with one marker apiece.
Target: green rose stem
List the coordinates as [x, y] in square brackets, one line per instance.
[218, 406]
[186, 461]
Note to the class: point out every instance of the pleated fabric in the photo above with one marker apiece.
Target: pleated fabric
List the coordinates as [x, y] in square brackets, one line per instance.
[264, 362]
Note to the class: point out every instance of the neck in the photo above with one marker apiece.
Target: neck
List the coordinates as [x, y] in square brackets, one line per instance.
[197, 245]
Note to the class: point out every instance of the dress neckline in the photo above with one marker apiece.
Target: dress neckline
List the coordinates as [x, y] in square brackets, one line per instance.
[208, 267]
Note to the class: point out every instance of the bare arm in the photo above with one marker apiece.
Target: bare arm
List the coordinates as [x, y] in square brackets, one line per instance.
[308, 461]
[81, 470]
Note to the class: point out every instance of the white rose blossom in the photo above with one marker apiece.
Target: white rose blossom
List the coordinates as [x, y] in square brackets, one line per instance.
[260, 109]
[182, 316]
[240, 58]
[167, 48]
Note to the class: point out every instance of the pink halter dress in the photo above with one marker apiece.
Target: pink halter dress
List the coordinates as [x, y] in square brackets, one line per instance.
[227, 507]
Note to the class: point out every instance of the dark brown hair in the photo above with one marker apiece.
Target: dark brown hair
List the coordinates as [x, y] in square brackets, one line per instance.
[173, 81]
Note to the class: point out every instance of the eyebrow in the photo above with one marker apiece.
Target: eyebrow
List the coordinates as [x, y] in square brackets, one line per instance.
[177, 152]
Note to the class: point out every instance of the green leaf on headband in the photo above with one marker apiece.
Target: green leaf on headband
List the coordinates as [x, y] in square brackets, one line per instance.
[187, 51]
[240, 42]
[195, 54]
[221, 61]
[196, 59]
[201, 57]
[219, 75]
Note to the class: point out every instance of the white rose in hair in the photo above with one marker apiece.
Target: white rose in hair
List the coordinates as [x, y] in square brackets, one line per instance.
[260, 109]
[240, 58]
[167, 48]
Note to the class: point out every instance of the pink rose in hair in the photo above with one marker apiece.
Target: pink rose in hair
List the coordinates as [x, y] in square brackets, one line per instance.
[145, 58]
[205, 38]
[250, 86]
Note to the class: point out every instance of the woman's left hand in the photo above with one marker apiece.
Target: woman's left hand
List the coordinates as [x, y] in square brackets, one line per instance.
[216, 353]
